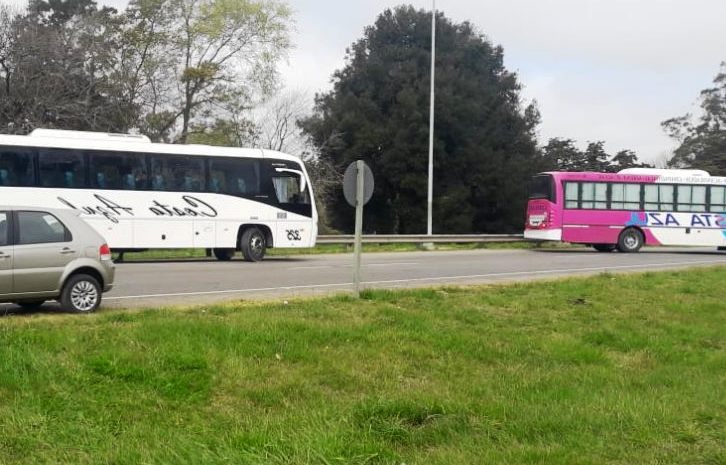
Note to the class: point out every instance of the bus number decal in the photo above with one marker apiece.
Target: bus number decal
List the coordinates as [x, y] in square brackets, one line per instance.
[293, 235]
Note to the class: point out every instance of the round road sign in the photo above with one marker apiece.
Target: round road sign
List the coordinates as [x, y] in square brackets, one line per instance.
[349, 183]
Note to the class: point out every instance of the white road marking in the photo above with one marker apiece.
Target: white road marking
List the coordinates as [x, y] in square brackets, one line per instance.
[319, 267]
[413, 280]
[389, 264]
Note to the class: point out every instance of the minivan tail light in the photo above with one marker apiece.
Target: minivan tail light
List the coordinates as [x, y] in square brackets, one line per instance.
[105, 252]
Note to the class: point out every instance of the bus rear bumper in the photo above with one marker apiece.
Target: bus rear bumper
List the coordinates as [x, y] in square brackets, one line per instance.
[543, 234]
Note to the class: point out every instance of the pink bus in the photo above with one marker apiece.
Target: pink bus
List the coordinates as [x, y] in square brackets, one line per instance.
[629, 209]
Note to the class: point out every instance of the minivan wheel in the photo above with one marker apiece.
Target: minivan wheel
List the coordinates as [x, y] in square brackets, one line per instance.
[253, 245]
[81, 294]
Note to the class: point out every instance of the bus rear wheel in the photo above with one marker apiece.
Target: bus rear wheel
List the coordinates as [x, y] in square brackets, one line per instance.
[604, 247]
[630, 240]
[223, 255]
[253, 245]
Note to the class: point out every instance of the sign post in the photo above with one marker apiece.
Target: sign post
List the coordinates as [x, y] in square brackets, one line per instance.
[357, 249]
[358, 189]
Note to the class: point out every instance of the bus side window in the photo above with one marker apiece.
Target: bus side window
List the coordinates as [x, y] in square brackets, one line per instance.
[718, 199]
[192, 181]
[16, 167]
[157, 181]
[234, 176]
[101, 180]
[61, 168]
[69, 178]
[242, 185]
[214, 184]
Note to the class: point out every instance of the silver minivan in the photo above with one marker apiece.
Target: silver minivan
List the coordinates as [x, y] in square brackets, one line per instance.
[52, 254]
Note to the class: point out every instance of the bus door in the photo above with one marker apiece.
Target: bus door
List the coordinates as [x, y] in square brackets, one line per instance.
[294, 225]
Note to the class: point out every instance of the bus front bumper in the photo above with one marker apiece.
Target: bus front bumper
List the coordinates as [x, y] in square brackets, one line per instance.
[543, 234]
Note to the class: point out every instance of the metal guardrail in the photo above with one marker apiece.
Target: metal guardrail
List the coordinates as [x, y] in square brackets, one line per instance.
[420, 238]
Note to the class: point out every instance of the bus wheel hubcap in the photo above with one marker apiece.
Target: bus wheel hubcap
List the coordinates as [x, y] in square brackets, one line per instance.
[256, 244]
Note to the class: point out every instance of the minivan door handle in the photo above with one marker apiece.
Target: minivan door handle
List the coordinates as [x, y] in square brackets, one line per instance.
[4, 256]
[66, 250]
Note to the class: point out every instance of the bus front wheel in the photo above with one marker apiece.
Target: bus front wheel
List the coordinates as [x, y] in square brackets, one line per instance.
[630, 240]
[253, 245]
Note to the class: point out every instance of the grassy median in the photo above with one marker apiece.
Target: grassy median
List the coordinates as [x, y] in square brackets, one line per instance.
[615, 369]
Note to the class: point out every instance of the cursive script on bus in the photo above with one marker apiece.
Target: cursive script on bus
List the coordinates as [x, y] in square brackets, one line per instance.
[112, 210]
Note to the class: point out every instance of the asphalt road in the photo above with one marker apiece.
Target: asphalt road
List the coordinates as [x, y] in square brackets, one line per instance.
[151, 284]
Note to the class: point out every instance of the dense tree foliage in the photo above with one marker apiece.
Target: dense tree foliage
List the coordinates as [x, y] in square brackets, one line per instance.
[703, 140]
[164, 67]
[378, 110]
[564, 155]
[56, 62]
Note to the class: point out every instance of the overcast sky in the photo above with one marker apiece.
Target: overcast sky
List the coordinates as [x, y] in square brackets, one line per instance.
[599, 69]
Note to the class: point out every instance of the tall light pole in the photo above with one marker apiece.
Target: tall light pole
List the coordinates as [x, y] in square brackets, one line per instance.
[429, 230]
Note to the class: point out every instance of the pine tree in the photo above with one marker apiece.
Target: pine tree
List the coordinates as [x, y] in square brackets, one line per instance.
[378, 110]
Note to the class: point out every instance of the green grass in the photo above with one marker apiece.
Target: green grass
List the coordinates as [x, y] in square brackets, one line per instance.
[615, 369]
[174, 254]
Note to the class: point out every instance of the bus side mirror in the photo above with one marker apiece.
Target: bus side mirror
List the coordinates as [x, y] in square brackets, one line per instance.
[298, 172]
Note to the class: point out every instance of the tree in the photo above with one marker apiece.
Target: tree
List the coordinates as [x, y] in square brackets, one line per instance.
[626, 159]
[484, 148]
[276, 121]
[595, 157]
[163, 66]
[205, 54]
[563, 155]
[7, 45]
[702, 140]
[56, 68]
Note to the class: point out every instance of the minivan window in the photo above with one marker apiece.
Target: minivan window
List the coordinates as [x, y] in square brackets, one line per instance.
[40, 228]
[4, 230]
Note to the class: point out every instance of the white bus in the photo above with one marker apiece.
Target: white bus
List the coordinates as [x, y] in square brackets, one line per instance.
[142, 195]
